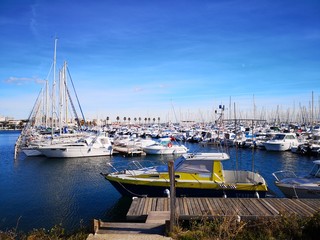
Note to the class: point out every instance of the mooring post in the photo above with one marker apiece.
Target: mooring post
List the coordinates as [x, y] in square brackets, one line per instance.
[172, 195]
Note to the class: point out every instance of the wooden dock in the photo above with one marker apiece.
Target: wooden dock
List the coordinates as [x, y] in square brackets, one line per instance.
[153, 214]
[246, 208]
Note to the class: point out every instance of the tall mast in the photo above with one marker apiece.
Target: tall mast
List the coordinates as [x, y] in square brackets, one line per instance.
[65, 92]
[60, 98]
[47, 103]
[54, 85]
[312, 100]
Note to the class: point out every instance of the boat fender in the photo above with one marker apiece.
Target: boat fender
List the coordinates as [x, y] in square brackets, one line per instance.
[167, 193]
[256, 195]
[169, 144]
[224, 195]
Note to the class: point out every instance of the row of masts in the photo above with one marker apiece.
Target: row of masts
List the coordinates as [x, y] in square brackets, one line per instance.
[297, 113]
[50, 111]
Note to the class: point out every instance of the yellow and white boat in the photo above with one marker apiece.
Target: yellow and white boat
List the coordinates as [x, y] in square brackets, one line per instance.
[196, 175]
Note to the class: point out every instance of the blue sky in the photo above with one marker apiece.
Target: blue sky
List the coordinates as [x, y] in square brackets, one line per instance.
[148, 58]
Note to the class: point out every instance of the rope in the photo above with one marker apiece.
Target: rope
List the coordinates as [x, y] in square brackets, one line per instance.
[132, 193]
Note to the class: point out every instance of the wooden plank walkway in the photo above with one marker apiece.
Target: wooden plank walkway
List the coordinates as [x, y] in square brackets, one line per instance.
[246, 208]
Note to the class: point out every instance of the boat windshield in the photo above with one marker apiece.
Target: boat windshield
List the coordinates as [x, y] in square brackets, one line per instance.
[279, 137]
[178, 162]
[193, 166]
[315, 171]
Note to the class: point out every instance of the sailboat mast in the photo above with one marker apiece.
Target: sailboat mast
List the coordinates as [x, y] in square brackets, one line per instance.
[65, 91]
[61, 79]
[53, 86]
[47, 102]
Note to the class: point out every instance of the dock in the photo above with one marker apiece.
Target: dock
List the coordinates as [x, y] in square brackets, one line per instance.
[245, 208]
[148, 218]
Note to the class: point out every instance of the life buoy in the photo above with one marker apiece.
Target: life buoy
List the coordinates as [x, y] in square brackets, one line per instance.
[169, 144]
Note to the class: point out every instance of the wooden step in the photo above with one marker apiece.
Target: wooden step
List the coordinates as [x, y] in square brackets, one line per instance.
[158, 217]
[129, 228]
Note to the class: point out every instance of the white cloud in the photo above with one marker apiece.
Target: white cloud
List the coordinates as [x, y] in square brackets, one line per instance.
[24, 80]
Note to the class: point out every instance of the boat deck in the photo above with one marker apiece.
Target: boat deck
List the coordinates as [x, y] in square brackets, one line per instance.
[246, 208]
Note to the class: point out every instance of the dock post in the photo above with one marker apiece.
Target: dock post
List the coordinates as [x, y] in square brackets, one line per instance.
[96, 225]
[172, 195]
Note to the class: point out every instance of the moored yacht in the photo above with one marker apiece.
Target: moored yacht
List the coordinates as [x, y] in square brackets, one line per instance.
[165, 146]
[299, 187]
[91, 146]
[281, 142]
[196, 175]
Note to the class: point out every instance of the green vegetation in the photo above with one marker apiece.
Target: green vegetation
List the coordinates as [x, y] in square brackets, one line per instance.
[55, 233]
[284, 227]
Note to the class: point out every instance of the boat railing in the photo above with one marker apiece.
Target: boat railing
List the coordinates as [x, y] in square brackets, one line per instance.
[131, 168]
[280, 175]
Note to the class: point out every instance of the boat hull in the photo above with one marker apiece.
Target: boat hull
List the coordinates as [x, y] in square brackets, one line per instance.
[299, 191]
[65, 152]
[279, 147]
[31, 152]
[165, 150]
[132, 190]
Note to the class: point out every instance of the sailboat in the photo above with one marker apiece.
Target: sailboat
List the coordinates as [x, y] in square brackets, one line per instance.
[61, 143]
[91, 146]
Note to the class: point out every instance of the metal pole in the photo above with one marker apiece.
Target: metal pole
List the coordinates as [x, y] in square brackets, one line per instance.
[172, 195]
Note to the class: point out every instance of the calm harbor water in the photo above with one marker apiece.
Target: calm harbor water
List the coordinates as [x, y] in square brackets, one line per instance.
[36, 192]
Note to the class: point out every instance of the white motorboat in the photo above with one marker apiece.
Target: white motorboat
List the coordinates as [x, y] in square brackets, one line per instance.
[165, 146]
[91, 146]
[315, 143]
[282, 142]
[299, 187]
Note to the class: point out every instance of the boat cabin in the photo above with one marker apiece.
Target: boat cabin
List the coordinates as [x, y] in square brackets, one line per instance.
[205, 164]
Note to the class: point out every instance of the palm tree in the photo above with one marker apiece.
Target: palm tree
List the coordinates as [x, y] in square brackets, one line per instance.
[118, 118]
[159, 121]
[139, 120]
[154, 120]
[145, 120]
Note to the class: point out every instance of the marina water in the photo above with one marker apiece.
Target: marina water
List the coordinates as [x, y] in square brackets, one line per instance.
[38, 192]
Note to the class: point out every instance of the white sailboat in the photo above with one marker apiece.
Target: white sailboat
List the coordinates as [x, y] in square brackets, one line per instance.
[91, 146]
[63, 115]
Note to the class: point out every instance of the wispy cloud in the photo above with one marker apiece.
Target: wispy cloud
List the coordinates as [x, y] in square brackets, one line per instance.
[33, 22]
[23, 80]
